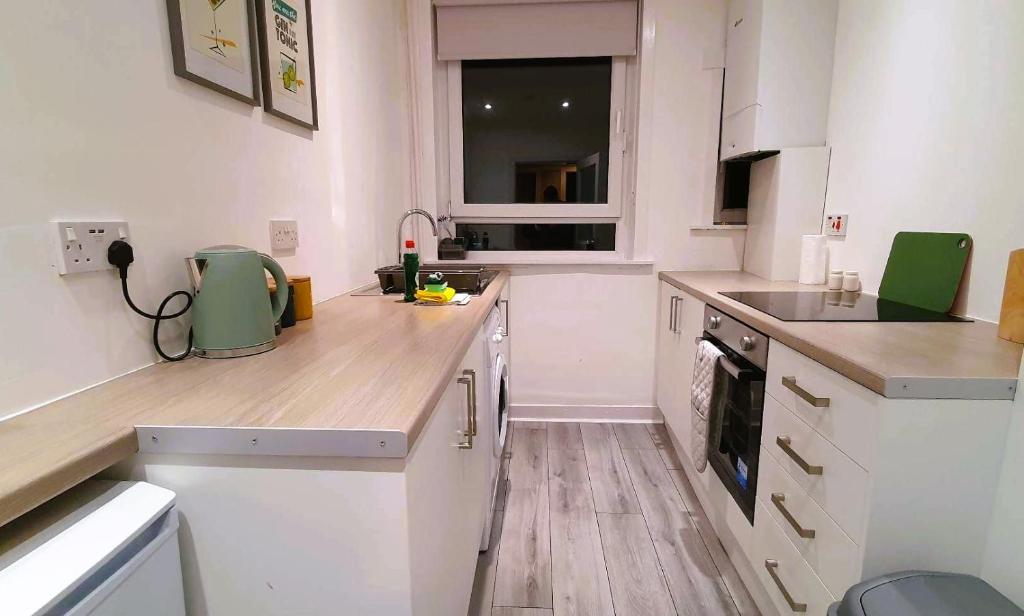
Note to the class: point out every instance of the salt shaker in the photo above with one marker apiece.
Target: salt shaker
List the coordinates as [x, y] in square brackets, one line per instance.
[851, 281]
[835, 280]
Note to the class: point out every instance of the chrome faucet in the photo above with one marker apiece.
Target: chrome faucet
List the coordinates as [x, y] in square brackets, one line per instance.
[401, 221]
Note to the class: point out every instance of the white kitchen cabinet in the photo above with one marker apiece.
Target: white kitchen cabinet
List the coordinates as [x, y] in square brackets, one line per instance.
[742, 55]
[788, 580]
[913, 481]
[267, 535]
[680, 321]
[885, 484]
[668, 355]
[778, 74]
[447, 496]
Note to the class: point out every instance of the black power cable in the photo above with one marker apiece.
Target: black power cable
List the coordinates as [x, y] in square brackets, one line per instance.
[121, 255]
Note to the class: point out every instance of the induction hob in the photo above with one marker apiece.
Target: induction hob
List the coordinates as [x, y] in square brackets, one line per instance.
[835, 306]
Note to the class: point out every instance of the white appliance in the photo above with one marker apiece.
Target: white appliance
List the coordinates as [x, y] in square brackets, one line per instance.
[104, 548]
[497, 403]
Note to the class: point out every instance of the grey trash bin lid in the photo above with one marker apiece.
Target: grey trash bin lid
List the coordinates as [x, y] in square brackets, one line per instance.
[924, 593]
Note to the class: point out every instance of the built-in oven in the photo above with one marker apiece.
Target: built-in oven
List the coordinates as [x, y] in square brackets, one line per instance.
[737, 405]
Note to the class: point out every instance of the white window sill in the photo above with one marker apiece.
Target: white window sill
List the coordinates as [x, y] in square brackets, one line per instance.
[560, 257]
[722, 227]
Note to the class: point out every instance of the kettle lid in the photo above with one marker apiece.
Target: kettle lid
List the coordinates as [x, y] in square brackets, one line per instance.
[224, 249]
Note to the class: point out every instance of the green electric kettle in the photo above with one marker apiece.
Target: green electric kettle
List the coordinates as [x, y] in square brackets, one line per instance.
[232, 315]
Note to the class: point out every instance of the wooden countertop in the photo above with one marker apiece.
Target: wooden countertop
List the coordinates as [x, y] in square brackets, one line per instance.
[370, 363]
[896, 360]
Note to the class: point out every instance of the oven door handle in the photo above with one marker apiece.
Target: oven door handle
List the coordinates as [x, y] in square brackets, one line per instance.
[734, 370]
[729, 366]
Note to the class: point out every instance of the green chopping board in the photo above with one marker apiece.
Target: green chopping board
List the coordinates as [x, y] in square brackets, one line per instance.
[925, 269]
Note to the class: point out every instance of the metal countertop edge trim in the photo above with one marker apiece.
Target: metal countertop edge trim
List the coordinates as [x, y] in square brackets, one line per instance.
[939, 388]
[272, 441]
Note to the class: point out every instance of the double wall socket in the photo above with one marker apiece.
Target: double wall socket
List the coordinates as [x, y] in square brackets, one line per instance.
[284, 234]
[835, 224]
[82, 246]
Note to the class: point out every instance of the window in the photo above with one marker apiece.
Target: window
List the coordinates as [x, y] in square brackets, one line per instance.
[537, 236]
[537, 138]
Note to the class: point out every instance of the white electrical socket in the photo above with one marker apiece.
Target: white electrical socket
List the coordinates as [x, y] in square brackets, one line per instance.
[284, 234]
[82, 246]
[835, 224]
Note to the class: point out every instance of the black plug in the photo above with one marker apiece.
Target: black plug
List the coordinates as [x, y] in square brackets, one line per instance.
[121, 255]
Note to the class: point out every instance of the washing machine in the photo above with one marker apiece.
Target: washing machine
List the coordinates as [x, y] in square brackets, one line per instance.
[497, 403]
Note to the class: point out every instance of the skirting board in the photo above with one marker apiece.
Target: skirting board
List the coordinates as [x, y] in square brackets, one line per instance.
[595, 413]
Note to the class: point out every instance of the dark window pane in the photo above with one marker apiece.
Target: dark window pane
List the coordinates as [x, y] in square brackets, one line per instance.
[536, 131]
[523, 236]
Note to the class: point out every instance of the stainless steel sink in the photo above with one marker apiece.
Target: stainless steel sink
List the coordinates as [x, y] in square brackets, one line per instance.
[463, 278]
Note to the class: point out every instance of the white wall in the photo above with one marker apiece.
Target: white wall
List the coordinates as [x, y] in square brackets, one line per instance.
[926, 128]
[591, 339]
[678, 138]
[97, 126]
[582, 337]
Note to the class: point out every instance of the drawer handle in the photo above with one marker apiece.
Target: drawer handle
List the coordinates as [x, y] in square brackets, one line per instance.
[785, 444]
[771, 566]
[789, 382]
[778, 499]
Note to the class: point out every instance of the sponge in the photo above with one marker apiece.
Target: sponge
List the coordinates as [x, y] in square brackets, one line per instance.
[435, 298]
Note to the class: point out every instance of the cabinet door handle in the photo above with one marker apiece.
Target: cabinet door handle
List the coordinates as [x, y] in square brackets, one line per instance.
[672, 313]
[679, 302]
[468, 434]
[785, 444]
[778, 499]
[789, 382]
[772, 567]
[472, 397]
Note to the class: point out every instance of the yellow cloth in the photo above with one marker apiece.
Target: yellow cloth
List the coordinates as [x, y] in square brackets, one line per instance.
[435, 298]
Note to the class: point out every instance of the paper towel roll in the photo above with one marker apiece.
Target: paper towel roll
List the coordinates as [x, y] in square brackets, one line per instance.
[813, 259]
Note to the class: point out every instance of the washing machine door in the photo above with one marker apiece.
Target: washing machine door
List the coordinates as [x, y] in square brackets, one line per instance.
[500, 402]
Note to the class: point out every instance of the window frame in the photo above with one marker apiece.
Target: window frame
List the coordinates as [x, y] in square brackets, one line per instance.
[463, 211]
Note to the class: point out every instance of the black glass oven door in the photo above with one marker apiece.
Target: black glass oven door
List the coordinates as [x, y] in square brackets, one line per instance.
[735, 430]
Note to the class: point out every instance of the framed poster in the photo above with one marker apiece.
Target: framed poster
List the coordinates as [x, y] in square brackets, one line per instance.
[286, 60]
[213, 43]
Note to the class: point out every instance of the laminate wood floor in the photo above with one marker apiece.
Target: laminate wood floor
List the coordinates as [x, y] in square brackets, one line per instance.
[598, 520]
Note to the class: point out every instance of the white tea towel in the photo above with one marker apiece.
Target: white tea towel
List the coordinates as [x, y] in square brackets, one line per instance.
[700, 400]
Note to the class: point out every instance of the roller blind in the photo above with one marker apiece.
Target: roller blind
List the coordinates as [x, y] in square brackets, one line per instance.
[498, 29]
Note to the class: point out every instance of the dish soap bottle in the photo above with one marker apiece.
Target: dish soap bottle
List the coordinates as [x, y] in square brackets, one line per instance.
[411, 267]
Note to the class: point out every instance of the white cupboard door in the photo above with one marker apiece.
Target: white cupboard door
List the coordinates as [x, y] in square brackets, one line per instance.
[742, 56]
[690, 326]
[443, 534]
[668, 298]
[476, 407]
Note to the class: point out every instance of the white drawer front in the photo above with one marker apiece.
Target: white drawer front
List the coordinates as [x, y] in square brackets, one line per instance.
[794, 575]
[833, 556]
[841, 488]
[850, 419]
